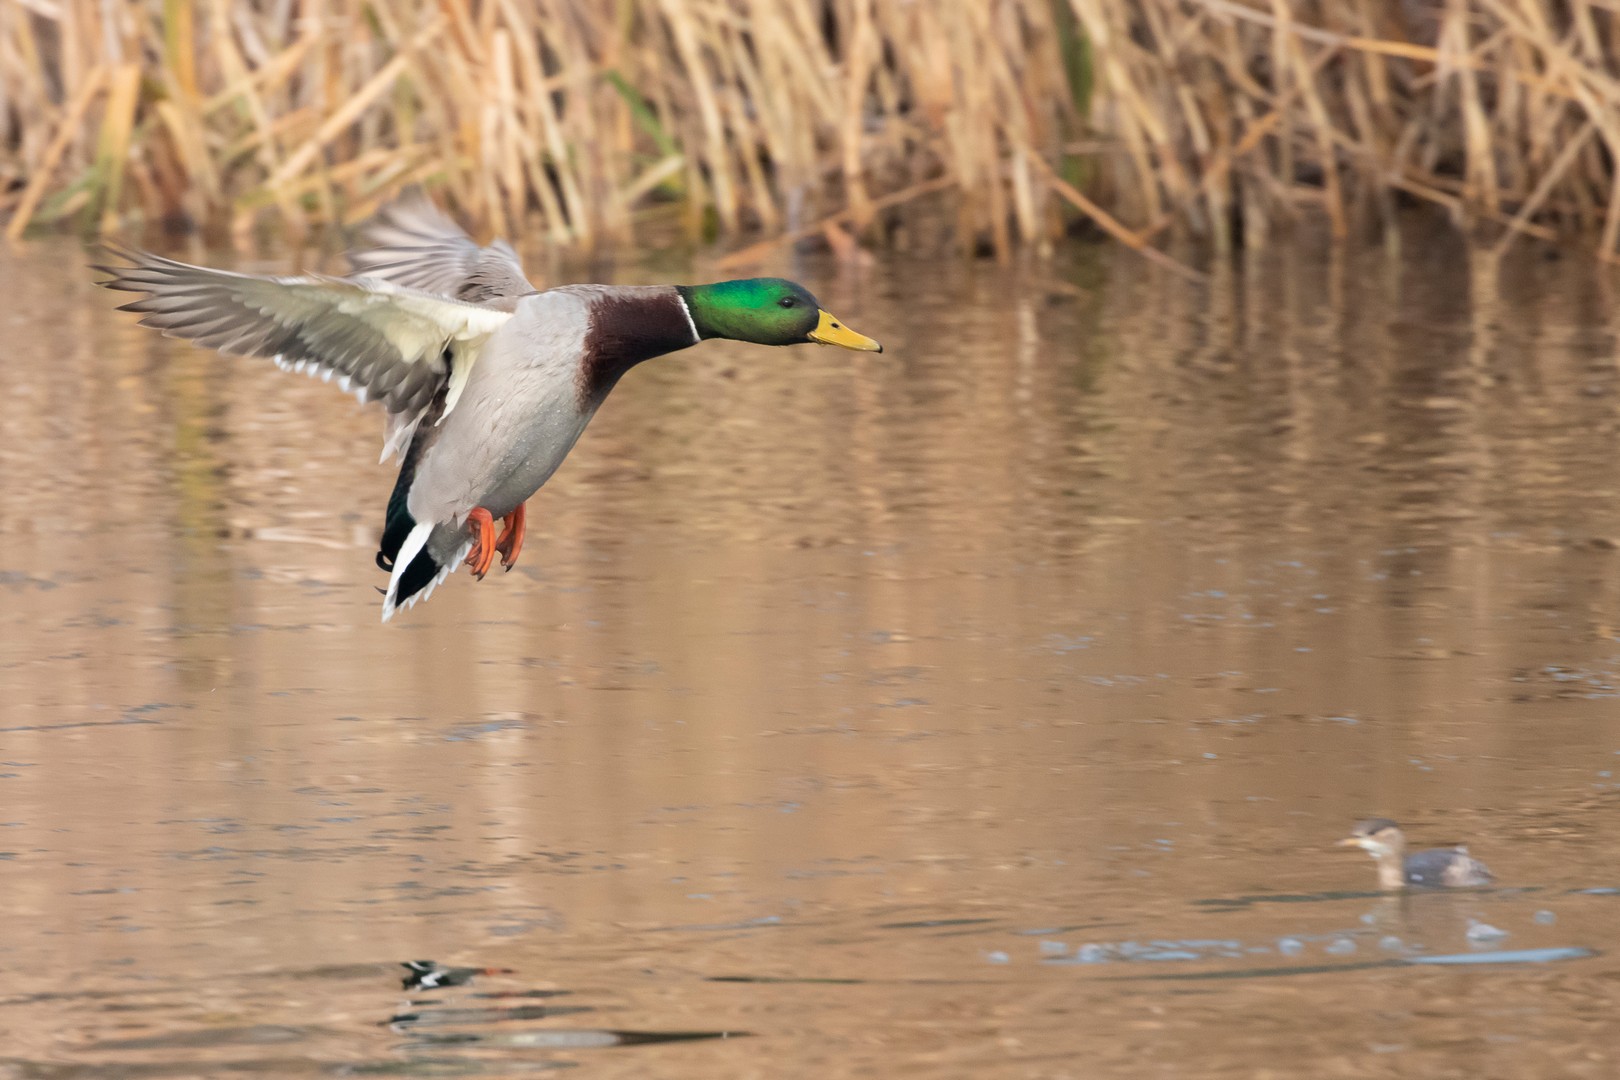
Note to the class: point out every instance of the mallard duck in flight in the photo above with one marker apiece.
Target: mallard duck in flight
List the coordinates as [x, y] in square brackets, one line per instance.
[488, 382]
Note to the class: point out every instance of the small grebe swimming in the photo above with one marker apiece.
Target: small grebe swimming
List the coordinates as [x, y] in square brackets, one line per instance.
[1436, 868]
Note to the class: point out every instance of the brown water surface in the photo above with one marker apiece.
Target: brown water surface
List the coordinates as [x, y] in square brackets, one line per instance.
[983, 709]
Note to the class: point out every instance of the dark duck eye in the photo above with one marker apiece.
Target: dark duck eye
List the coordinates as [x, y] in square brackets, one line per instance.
[788, 301]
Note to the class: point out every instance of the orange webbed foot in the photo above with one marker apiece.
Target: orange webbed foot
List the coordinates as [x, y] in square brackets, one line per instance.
[511, 541]
[483, 548]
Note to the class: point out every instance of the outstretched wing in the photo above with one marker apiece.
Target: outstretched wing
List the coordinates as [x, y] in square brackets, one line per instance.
[411, 242]
[381, 341]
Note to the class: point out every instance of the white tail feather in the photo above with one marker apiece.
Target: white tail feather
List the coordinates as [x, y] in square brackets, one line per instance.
[408, 551]
[444, 571]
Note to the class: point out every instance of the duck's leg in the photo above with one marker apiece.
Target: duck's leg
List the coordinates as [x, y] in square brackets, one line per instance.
[483, 549]
[511, 541]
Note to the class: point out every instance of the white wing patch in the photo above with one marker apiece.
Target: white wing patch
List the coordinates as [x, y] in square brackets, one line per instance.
[461, 365]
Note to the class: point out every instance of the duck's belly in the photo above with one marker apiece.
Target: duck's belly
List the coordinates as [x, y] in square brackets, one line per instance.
[494, 457]
[529, 463]
[519, 415]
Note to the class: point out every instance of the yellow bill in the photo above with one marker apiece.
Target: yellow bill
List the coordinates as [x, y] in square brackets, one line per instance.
[829, 331]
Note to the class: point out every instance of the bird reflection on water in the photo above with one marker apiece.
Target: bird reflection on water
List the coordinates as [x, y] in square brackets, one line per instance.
[459, 1025]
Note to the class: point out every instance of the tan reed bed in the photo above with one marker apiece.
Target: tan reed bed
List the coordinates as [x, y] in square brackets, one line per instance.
[571, 116]
[580, 119]
[1235, 114]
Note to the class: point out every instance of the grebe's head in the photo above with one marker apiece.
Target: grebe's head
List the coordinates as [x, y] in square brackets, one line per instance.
[1378, 837]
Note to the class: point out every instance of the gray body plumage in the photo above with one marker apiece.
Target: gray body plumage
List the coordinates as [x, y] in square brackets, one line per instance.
[526, 385]
[1445, 868]
[532, 384]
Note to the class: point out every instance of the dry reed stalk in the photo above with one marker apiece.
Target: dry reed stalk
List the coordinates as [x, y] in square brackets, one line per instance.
[1113, 228]
[66, 130]
[755, 253]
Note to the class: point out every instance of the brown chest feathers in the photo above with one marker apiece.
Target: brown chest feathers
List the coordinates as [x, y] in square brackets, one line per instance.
[627, 327]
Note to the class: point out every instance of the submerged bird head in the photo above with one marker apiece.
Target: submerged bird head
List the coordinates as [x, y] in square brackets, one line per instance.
[767, 311]
[1378, 837]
